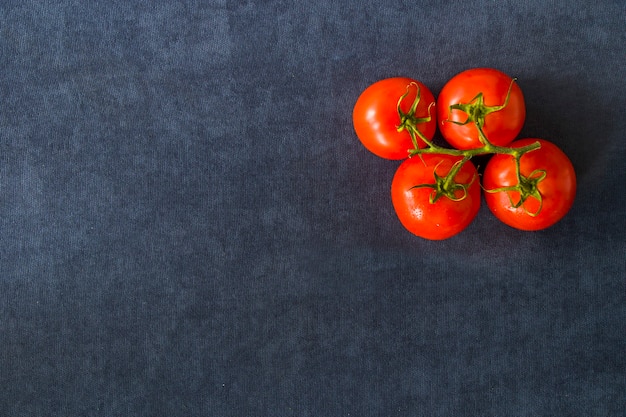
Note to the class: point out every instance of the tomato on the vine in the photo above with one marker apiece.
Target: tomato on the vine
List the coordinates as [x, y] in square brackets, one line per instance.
[387, 114]
[482, 99]
[431, 200]
[546, 192]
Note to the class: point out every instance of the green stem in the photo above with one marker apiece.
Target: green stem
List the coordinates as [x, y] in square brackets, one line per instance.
[476, 111]
[488, 148]
[447, 185]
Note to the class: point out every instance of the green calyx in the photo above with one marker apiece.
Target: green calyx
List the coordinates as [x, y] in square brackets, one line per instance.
[477, 111]
[408, 120]
[527, 186]
[447, 186]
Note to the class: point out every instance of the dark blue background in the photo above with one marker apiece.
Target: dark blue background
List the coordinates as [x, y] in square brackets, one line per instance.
[190, 227]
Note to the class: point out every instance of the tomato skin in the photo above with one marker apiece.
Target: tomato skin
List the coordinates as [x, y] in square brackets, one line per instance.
[444, 218]
[376, 120]
[500, 127]
[558, 189]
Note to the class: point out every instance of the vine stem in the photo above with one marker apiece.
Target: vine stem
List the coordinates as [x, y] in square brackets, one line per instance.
[448, 184]
[487, 148]
[476, 111]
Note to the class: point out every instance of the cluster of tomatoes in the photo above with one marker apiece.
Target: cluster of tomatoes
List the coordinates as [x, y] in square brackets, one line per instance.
[529, 184]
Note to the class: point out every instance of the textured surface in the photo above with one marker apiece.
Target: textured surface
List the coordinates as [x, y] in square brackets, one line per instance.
[189, 226]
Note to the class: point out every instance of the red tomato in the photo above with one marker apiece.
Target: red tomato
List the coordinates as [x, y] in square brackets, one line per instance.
[547, 197]
[425, 212]
[379, 125]
[481, 92]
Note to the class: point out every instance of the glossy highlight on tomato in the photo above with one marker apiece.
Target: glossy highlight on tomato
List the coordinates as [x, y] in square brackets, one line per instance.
[549, 184]
[488, 95]
[377, 121]
[413, 190]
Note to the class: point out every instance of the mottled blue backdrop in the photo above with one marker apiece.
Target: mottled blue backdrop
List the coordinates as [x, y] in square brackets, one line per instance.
[190, 227]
